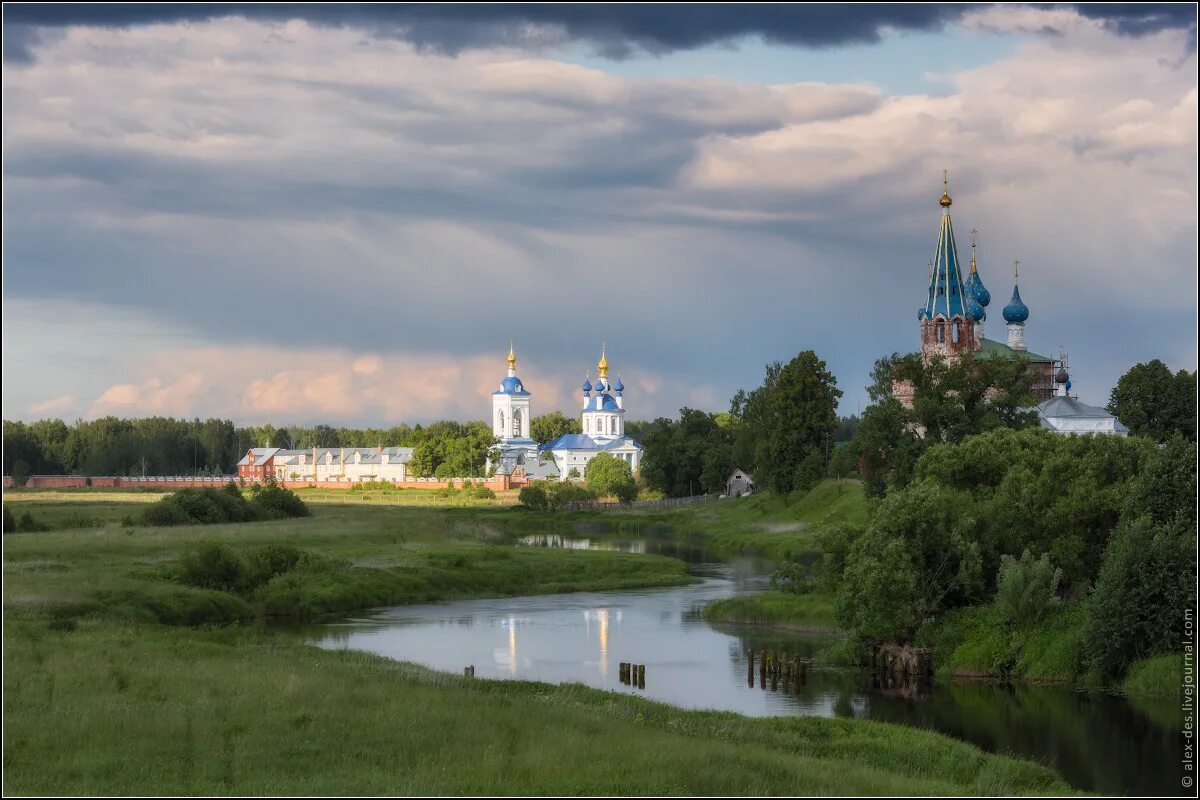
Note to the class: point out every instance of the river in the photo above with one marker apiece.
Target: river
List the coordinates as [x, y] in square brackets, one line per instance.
[1097, 741]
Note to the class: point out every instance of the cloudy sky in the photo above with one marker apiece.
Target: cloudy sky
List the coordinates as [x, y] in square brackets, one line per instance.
[314, 214]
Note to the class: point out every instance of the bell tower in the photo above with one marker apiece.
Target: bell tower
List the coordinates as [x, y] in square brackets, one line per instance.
[511, 406]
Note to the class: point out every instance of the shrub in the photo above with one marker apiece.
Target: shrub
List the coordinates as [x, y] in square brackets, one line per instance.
[810, 471]
[212, 566]
[77, 519]
[483, 493]
[165, 513]
[27, 524]
[273, 501]
[1026, 588]
[265, 563]
[794, 577]
[533, 497]
[10, 522]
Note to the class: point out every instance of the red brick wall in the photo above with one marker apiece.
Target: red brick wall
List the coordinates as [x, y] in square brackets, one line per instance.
[496, 483]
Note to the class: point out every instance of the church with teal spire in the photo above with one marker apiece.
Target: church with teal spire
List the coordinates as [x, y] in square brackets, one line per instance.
[953, 314]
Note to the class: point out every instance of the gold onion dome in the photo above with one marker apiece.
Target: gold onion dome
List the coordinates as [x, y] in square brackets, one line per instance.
[602, 365]
[512, 357]
[945, 201]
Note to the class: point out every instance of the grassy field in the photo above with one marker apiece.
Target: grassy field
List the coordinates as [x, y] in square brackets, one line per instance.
[137, 709]
[810, 611]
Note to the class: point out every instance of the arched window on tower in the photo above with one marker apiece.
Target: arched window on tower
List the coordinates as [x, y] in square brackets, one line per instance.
[612, 425]
[500, 419]
[516, 430]
[941, 331]
[956, 331]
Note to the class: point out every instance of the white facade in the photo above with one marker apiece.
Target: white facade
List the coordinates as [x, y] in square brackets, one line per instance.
[1066, 415]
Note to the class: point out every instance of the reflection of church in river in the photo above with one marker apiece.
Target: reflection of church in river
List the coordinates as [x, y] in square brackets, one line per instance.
[602, 417]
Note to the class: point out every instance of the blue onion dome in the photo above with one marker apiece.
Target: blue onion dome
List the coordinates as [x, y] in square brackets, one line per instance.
[587, 385]
[618, 386]
[1061, 376]
[1016, 311]
[980, 291]
[510, 384]
[600, 387]
[973, 309]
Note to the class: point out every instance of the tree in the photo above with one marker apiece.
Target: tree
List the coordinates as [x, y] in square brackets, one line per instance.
[880, 387]
[20, 472]
[689, 455]
[1152, 402]
[915, 559]
[607, 475]
[549, 427]
[1148, 577]
[799, 417]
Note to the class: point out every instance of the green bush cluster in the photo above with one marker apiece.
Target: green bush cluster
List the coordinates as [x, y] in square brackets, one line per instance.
[551, 495]
[219, 567]
[208, 506]
[939, 542]
[22, 524]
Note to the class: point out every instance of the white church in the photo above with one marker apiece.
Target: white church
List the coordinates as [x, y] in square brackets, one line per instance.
[603, 421]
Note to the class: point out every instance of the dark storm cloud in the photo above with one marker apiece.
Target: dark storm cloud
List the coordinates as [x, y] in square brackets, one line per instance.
[616, 31]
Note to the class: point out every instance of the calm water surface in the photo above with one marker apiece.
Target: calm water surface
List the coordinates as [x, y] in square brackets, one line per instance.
[1098, 742]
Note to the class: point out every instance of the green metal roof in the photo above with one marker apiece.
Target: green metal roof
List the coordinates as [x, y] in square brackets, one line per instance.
[992, 349]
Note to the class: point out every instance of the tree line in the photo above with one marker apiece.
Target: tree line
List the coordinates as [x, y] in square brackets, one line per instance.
[170, 446]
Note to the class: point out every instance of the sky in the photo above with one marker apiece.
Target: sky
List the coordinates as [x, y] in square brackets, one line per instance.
[343, 215]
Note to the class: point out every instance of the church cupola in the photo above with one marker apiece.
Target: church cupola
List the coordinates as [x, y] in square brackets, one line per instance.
[1015, 313]
[951, 309]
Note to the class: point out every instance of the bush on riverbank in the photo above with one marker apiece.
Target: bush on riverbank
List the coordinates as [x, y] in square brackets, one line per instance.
[980, 641]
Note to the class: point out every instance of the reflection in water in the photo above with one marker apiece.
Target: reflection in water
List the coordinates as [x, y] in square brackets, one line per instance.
[1098, 742]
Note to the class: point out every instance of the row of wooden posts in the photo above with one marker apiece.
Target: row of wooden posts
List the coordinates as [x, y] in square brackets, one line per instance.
[775, 666]
[633, 674]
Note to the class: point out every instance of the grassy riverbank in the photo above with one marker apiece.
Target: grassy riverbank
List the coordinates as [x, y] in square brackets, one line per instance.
[779, 609]
[353, 557]
[134, 709]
